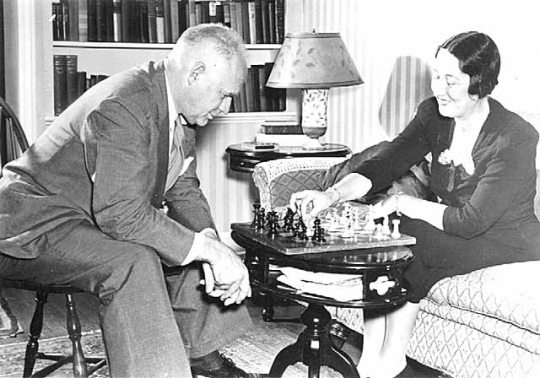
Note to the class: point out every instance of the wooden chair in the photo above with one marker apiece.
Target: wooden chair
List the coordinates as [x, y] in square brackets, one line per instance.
[13, 143]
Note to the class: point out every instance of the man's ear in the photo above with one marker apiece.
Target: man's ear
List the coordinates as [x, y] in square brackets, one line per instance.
[197, 69]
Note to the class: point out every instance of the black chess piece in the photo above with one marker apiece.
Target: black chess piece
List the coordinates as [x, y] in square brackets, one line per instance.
[260, 226]
[256, 213]
[272, 223]
[288, 221]
[300, 230]
[318, 232]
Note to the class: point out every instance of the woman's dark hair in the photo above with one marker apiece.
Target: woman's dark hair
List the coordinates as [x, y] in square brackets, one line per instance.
[478, 57]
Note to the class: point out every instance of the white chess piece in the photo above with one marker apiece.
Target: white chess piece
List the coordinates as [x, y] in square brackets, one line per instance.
[378, 232]
[395, 232]
[370, 225]
[386, 226]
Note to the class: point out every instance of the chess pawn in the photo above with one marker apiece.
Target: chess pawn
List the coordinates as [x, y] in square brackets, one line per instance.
[256, 214]
[379, 235]
[395, 232]
[318, 232]
[370, 225]
[386, 226]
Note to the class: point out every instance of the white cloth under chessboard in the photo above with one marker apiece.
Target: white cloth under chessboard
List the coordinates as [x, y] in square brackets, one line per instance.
[341, 287]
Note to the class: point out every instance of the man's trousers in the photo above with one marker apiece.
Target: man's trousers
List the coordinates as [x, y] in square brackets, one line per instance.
[151, 325]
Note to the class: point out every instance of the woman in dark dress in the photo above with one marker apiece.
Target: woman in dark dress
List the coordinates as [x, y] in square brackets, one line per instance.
[482, 172]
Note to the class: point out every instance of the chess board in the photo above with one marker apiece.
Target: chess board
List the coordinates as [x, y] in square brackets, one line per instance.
[286, 243]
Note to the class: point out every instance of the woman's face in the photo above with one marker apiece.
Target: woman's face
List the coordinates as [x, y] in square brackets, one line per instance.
[450, 86]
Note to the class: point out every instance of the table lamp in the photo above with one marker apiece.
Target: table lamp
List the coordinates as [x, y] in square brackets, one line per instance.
[313, 62]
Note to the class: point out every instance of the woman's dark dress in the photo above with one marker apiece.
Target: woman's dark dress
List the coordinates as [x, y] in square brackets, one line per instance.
[490, 219]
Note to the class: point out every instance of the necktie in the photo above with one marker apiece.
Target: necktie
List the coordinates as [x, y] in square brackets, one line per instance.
[176, 156]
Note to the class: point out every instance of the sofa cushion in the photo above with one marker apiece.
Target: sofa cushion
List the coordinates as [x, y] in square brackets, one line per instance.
[504, 293]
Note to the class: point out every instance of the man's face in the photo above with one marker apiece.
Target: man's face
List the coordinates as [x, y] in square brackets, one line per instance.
[451, 86]
[211, 89]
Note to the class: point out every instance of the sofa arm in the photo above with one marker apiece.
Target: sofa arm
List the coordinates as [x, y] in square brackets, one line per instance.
[277, 180]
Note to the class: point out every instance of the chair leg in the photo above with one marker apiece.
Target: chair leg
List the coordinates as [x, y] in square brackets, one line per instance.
[35, 332]
[74, 330]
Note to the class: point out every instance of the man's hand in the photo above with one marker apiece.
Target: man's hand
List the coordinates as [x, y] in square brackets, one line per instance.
[225, 275]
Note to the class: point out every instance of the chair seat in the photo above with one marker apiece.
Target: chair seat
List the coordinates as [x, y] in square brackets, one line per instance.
[32, 286]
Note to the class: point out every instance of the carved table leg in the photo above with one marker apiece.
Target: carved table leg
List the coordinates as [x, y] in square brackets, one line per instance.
[314, 348]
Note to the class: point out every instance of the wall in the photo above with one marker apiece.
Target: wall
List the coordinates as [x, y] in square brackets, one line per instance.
[378, 32]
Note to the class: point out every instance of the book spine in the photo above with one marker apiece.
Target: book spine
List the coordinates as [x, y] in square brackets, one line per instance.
[108, 14]
[83, 21]
[73, 9]
[127, 8]
[160, 22]
[71, 79]
[272, 21]
[183, 16]
[258, 22]
[143, 21]
[60, 90]
[252, 22]
[265, 20]
[192, 13]
[92, 20]
[55, 26]
[245, 21]
[227, 15]
[167, 20]
[175, 29]
[81, 83]
[250, 94]
[65, 20]
[262, 88]
[152, 22]
[280, 21]
[233, 12]
[101, 27]
[117, 20]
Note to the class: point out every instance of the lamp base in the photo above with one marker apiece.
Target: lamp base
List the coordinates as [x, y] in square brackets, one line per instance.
[313, 144]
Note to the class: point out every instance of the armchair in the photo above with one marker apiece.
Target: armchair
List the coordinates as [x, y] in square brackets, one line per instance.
[485, 324]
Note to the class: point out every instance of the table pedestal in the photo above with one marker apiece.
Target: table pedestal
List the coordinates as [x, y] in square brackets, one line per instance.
[314, 348]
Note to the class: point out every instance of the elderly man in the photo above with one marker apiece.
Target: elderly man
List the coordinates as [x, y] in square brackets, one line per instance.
[108, 194]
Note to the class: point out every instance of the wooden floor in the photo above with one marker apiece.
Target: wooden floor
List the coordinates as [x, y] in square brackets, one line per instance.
[22, 305]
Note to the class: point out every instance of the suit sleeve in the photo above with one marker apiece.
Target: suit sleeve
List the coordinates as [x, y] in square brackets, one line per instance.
[186, 202]
[118, 154]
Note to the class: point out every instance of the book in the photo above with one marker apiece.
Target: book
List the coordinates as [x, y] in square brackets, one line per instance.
[64, 26]
[271, 21]
[280, 21]
[152, 21]
[183, 15]
[60, 93]
[127, 9]
[167, 20]
[160, 22]
[258, 21]
[92, 20]
[227, 15]
[117, 21]
[252, 22]
[143, 22]
[175, 27]
[83, 21]
[277, 127]
[73, 17]
[71, 79]
[55, 25]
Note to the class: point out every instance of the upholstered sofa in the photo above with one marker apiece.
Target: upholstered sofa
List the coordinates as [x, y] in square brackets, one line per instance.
[485, 324]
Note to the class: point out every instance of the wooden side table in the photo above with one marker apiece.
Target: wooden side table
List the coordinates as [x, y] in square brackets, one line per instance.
[373, 259]
[243, 157]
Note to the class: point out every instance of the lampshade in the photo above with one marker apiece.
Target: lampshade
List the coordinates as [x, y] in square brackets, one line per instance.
[313, 60]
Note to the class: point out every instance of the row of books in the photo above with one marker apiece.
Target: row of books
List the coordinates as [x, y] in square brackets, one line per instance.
[70, 83]
[163, 21]
[256, 96]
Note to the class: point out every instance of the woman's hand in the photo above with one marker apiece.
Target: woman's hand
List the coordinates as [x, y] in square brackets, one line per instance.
[386, 207]
[312, 202]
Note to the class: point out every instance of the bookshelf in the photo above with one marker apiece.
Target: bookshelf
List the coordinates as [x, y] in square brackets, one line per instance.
[110, 54]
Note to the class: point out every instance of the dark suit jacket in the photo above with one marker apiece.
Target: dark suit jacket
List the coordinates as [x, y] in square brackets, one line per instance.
[104, 161]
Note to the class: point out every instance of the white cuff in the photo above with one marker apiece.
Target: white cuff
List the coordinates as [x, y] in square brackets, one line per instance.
[198, 243]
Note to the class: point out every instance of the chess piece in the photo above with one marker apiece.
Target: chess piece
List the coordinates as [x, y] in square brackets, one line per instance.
[300, 230]
[272, 223]
[370, 225]
[395, 232]
[260, 226]
[256, 213]
[379, 235]
[318, 231]
[386, 226]
[288, 225]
